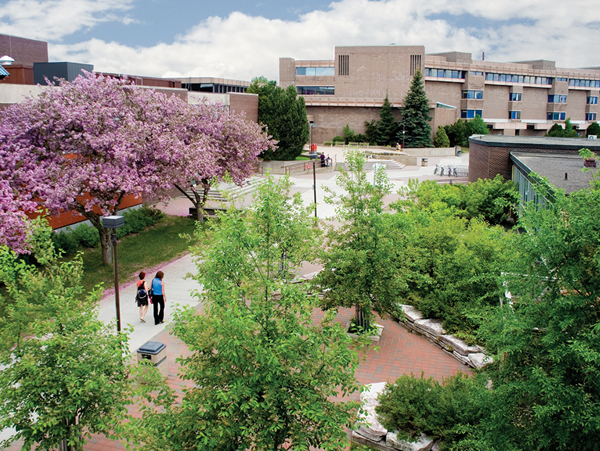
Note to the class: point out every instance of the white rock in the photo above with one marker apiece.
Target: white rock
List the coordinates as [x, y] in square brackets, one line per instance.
[370, 427]
[393, 441]
[431, 326]
[462, 358]
[479, 359]
[459, 345]
[372, 391]
[411, 313]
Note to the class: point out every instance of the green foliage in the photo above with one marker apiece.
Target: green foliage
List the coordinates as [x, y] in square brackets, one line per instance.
[476, 126]
[348, 134]
[387, 127]
[546, 343]
[441, 138]
[371, 133]
[557, 131]
[136, 220]
[593, 129]
[260, 79]
[263, 372]
[415, 115]
[339, 139]
[459, 132]
[359, 265]
[283, 112]
[63, 376]
[415, 406]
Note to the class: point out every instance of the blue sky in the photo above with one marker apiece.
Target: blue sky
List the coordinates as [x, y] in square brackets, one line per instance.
[239, 40]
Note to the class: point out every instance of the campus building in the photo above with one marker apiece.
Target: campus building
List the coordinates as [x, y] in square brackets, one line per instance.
[523, 98]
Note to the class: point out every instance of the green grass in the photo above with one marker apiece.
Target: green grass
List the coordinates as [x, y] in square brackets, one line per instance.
[143, 251]
[301, 158]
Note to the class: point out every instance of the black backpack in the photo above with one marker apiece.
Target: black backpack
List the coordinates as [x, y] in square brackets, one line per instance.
[141, 296]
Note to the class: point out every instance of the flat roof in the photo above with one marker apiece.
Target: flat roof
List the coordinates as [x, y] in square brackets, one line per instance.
[554, 167]
[531, 142]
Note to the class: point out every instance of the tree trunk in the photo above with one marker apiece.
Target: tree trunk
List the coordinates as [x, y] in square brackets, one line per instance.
[362, 319]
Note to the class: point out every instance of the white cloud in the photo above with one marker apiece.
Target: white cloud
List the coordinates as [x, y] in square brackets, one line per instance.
[54, 19]
[241, 46]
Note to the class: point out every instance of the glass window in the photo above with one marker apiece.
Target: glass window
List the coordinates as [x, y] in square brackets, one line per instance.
[315, 90]
[470, 114]
[475, 72]
[514, 115]
[327, 71]
[590, 116]
[561, 79]
[557, 98]
[515, 96]
[592, 100]
[471, 94]
[434, 72]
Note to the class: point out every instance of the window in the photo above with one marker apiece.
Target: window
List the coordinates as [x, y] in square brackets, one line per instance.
[590, 116]
[470, 94]
[328, 71]
[315, 90]
[513, 78]
[561, 79]
[514, 115]
[444, 73]
[415, 64]
[584, 83]
[476, 72]
[557, 116]
[592, 100]
[515, 97]
[470, 114]
[557, 98]
[344, 64]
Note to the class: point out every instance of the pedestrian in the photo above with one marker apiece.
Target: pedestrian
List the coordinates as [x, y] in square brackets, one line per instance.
[322, 160]
[142, 296]
[159, 297]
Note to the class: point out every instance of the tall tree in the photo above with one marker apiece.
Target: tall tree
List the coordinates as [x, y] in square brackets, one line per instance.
[264, 372]
[63, 376]
[387, 126]
[476, 126]
[415, 115]
[85, 145]
[593, 129]
[441, 138]
[283, 112]
[360, 263]
[546, 340]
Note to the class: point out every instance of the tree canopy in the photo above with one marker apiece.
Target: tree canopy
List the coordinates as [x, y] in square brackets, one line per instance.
[415, 115]
[283, 113]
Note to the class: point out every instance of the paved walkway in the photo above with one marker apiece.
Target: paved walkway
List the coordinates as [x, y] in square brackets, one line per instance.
[398, 352]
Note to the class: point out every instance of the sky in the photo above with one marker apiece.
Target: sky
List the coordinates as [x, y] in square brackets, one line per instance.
[240, 39]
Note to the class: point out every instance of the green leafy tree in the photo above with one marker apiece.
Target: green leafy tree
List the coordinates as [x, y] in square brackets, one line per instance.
[63, 376]
[546, 341]
[570, 131]
[264, 372]
[283, 112]
[458, 133]
[556, 131]
[593, 129]
[387, 127]
[415, 115]
[348, 134]
[260, 79]
[441, 138]
[359, 266]
[476, 126]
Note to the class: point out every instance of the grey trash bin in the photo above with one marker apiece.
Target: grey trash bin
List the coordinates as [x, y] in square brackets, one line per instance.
[155, 353]
[458, 151]
[424, 162]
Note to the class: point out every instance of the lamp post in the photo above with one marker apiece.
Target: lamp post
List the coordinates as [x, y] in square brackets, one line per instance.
[114, 222]
[403, 133]
[311, 126]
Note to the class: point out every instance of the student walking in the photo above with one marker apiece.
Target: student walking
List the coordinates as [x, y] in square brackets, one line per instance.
[142, 296]
[159, 297]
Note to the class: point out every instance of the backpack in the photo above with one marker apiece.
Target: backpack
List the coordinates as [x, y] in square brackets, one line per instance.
[141, 295]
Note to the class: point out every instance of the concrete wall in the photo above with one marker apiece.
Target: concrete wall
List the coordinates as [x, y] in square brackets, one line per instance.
[10, 94]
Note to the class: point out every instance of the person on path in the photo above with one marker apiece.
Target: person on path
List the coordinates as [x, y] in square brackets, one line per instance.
[141, 301]
[322, 160]
[159, 297]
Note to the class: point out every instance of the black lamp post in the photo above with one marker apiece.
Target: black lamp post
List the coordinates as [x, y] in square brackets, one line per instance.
[114, 222]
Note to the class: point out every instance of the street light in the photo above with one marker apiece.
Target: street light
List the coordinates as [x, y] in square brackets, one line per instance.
[114, 222]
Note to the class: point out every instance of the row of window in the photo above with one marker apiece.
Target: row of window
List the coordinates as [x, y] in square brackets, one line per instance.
[316, 90]
[516, 97]
[584, 83]
[470, 114]
[555, 98]
[315, 71]
[444, 73]
[511, 78]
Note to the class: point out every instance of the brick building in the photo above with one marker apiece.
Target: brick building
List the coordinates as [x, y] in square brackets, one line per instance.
[522, 98]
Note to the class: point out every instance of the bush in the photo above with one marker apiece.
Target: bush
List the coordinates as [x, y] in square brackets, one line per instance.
[447, 412]
[65, 242]
[339, 139]
[86, 236]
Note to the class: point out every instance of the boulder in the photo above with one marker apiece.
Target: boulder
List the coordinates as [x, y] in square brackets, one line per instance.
[372, 391]
[411, 313]
[479, 359]
[424, 443]
[462, 358]
[459, 345]
[431, 327]
[370, 427]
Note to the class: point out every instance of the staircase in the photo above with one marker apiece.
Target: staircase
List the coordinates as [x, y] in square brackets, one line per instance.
[226, 191]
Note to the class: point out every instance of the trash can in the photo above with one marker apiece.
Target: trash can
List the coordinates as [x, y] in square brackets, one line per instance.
[155, 353]
[458, 151]
[424, 162]
[313, 147]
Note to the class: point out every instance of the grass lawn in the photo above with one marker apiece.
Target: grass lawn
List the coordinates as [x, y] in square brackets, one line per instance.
[301, 158]
[142, 251]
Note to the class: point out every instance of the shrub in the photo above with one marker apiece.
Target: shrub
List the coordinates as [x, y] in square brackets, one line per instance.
[441, 138]
[339, 139]
[415, 406]
[65, 242]
[86, 236]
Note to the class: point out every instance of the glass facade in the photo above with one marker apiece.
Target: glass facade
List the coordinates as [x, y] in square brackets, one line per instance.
[470, 114]
[444, 73]
[511, 78]
[471, 94]
[320, 71]
[315, 90]
[584, 83]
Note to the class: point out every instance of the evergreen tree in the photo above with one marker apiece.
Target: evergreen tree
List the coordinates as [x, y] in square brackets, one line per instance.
[593, 129]
[284, 114]
[556, 131]
[371, 132]
[570, 131]
[387, 127]
[441, 138]
[415, 115]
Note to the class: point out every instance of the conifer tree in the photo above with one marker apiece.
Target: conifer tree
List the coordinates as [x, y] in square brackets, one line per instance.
[593, 129]
[387, 127]
[441, 138]
[415, 115]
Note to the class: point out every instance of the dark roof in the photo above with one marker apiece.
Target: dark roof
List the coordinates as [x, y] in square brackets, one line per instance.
[554, 167]
[531, 142]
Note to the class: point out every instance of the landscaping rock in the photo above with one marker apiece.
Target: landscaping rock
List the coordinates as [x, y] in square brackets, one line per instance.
[424, 443]
[462, 358]
[372, 391]
[432, 327]
[379, 445]
[458, 345]
[411, 313]
[479, 359]
[374, 431]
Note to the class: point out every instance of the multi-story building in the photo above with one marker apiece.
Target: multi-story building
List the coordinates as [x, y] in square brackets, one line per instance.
[523, 98]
